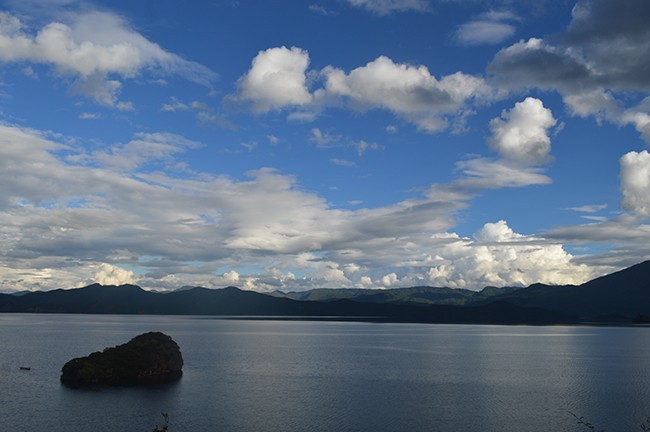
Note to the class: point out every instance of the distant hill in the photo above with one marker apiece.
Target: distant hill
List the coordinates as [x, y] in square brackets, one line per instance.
[618, 297]
[231, 301]
[625, 293]
[131, 299]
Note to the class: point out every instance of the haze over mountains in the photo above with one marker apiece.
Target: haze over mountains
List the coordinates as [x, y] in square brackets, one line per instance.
[618, 297]
[412, 296]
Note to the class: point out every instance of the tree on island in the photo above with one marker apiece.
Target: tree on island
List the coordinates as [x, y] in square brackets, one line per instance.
[148, 358]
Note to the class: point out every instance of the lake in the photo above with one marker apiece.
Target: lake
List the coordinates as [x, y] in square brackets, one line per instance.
[266, 375]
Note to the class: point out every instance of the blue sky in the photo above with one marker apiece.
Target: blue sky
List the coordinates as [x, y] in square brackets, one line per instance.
[344, 143]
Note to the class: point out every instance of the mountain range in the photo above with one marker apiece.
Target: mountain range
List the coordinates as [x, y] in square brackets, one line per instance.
[620, 297]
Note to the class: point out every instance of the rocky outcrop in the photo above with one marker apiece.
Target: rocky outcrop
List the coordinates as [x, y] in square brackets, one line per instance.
[148, 358]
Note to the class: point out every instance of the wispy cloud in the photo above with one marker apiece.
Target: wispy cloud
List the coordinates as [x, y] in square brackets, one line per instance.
[89, 116]
[363, 146]
[594, 218]
[488, 29]
[592, 208]
[342, 162]
[98, 50]
[250, 146]
[323, 139]
[320, 9]
[385, 7]
[204, 112]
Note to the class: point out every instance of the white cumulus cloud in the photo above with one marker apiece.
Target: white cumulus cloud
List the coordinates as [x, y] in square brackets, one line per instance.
[389, 280]
[276, 80]
[143, 149]
[231, 277]
[635, 182]
[521, 134]
[107, 274]
[498, 256]
[408, 91]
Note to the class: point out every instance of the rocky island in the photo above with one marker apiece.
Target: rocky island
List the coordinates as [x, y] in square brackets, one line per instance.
[148, 358]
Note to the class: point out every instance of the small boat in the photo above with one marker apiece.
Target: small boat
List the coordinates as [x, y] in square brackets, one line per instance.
[25, 368]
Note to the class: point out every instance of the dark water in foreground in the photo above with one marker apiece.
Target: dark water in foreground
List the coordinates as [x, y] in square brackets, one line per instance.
[326, 376]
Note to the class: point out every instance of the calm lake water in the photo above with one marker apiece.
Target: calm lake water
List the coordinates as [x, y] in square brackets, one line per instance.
[327, 376]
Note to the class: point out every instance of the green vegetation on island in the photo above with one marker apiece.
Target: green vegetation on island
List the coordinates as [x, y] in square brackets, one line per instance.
[148, 358]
